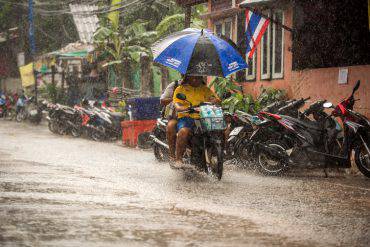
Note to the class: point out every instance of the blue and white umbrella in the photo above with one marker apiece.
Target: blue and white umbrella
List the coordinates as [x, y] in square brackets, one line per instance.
[198, 52]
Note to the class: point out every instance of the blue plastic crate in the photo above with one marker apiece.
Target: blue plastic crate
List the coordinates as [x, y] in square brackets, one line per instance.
[144, 108]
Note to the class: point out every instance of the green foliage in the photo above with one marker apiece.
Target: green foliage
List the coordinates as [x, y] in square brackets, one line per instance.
[170, 24]
[270, 95]
[51, 31]
[175, 23]
[224, 85]
[52, 93]
[248, 104]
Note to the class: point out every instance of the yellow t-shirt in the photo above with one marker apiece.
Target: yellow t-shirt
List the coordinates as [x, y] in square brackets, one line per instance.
[195, 95]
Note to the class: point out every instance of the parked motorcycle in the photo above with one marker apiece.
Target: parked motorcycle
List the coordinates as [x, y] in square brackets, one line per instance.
[240, 144]
[29, 109]
[96, 124]
[159, 138]
[63, 120]
[6, 109]
[112, 122]
[318, 139]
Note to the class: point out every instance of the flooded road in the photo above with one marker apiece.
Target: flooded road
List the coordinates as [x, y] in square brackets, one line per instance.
[61, 191]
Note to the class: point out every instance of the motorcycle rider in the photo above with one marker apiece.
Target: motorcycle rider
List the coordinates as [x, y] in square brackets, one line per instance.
[166, 100]
[196, 92]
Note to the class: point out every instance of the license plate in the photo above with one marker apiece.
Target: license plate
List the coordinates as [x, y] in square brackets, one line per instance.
[33, 112]
[236, 131]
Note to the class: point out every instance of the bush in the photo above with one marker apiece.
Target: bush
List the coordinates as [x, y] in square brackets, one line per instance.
[247, 103]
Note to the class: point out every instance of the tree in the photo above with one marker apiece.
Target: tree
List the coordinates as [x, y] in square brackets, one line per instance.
[52, 31]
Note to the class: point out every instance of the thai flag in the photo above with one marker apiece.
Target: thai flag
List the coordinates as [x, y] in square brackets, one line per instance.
[256, 26]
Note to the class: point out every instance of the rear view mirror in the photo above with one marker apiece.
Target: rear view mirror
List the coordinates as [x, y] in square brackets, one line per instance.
[181, 96]
[356, 86]
[328, 105]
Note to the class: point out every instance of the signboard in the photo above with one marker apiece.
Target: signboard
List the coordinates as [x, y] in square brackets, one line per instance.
[343, 76]
[27, 75]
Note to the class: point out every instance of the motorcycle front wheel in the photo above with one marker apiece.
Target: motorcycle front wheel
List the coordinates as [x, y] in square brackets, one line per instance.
[75, 132]
[362, 159]
[21, 116]
[216, 160]
[271, 164]
[10, 115]
[160, 153]
[97, 136]
[52, 127]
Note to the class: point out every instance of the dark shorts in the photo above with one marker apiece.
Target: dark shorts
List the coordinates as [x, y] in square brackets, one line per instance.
[185, 122]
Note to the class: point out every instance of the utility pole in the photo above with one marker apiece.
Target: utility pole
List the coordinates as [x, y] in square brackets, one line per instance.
[31, 32]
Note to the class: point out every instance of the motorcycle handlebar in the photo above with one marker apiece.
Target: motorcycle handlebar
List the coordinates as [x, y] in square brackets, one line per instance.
[293, 104]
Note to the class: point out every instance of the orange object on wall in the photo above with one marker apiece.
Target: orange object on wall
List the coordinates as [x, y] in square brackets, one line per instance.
[132, 129]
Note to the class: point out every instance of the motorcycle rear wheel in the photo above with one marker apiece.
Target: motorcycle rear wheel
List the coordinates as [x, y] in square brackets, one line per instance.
[271, 165]
[362, 160]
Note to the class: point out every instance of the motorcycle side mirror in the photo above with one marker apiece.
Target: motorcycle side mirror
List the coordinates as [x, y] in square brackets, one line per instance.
[181, 96]
[356, 86]
[328, 105]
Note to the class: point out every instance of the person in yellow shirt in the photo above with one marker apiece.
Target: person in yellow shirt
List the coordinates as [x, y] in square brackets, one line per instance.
[196, 92]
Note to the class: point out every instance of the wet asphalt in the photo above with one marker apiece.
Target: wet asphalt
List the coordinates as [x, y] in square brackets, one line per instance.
[60, 191]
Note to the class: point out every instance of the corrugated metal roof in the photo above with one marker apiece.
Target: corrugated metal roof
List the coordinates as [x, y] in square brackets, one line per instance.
[86, 24]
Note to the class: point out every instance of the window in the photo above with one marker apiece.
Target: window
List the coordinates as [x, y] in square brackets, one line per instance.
[218, 28]
[278, 47]
[265, 54]
[272, 49]
[224, 27]
[251, 70]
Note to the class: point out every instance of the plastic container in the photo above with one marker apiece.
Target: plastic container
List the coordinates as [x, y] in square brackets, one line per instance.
[212, 118]
[132, 129]
[144, 108]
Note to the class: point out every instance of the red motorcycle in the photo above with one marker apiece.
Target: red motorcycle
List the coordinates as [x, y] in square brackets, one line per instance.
[318, 140]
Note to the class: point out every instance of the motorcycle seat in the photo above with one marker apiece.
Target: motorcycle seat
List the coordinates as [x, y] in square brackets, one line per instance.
[307, 124]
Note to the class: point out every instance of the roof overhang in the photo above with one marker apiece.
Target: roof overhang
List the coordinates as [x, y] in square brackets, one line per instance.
[265, 3]
[219, 14]
[253, 3]
[190, 2]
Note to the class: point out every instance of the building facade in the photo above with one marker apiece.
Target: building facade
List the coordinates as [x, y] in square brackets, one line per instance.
[322, 54]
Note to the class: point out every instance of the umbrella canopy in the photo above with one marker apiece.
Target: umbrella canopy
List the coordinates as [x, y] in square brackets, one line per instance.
[198, 52]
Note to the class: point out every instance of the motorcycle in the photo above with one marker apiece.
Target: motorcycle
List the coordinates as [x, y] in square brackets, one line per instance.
[94, 123]
[6, 109]
[205, 150]
[243, 125]
[159, 138]
[29, 109]
[62, 120]
[112, 122]
[318, 140]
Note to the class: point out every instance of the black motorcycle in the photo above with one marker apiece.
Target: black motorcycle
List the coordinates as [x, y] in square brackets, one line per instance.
[318, 140]
[62, 120]
[240, 144]
[205, 150]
